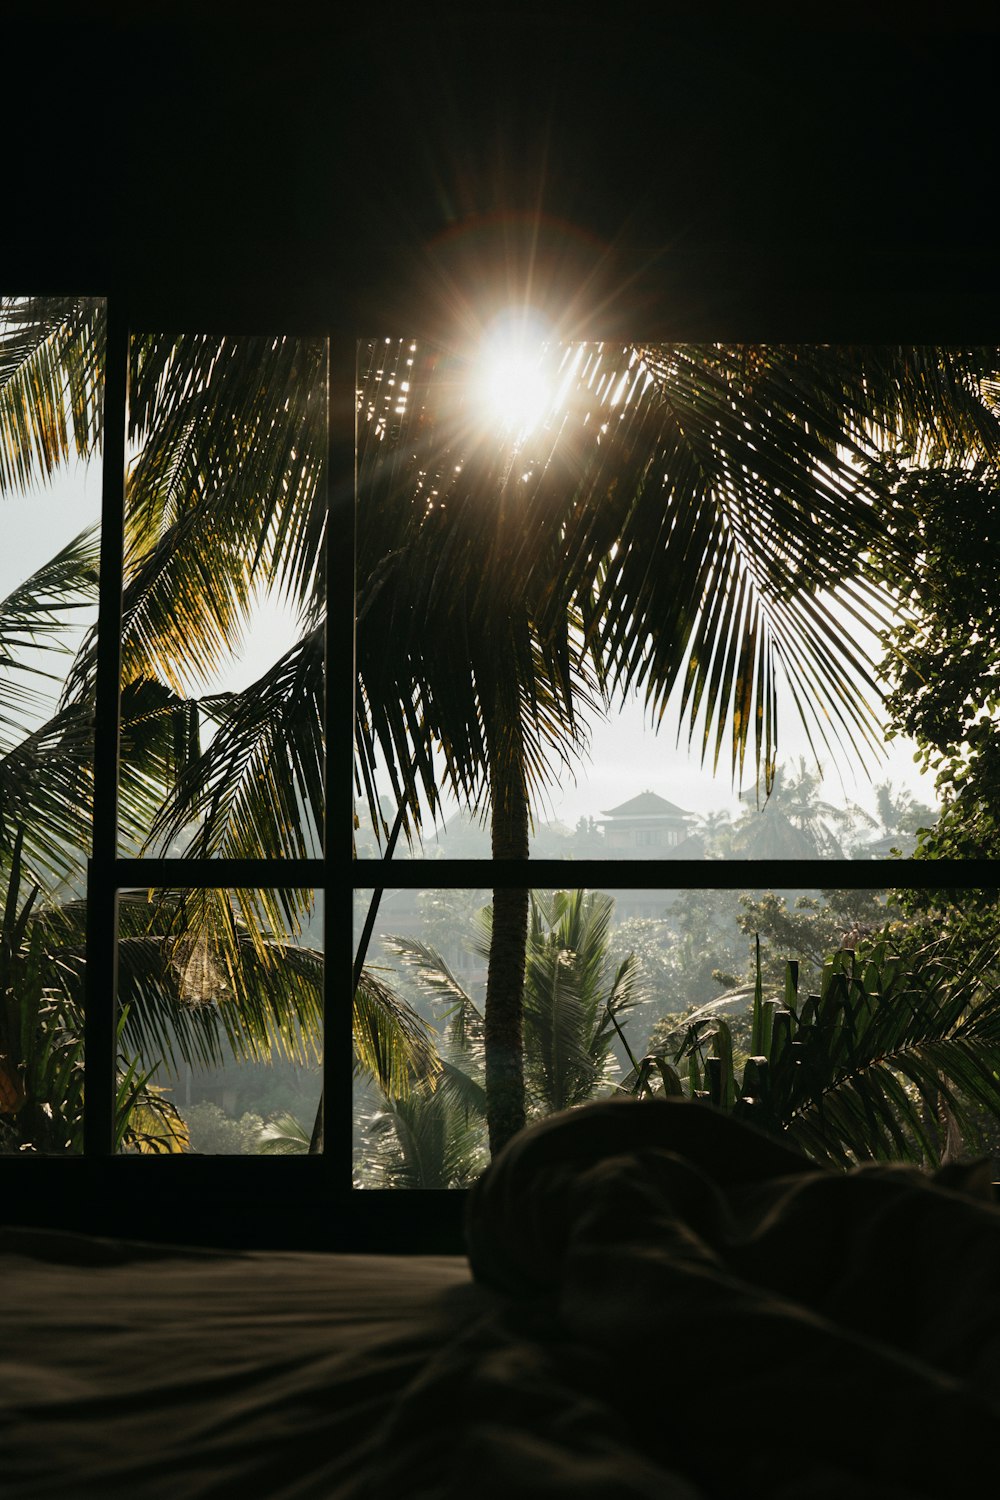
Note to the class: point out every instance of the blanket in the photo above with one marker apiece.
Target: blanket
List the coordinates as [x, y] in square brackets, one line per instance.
[132, 1372]
[688, 1309]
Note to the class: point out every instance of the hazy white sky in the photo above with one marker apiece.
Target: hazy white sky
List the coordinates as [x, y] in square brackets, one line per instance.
[36, 524]
[628, 757]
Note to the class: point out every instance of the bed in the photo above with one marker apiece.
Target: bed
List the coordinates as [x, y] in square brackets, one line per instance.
[658, 1304]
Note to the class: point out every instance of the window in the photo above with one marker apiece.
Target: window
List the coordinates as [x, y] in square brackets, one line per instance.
[206, 782]
[767, 598]
[530, 541]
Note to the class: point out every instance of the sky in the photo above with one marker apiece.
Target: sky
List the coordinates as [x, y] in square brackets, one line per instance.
[627, 756]
[37, 523]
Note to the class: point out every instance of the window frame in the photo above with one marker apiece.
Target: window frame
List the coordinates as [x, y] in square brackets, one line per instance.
[109, 873]
[372, 1218]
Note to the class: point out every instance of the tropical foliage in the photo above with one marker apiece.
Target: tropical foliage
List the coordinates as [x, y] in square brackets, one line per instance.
[224, 502]
[889, 1059]
[807, 928]
[434, 1138]
[705, 516]
[576, 998]
[942, 668]
[41, 1042]
[737, 468]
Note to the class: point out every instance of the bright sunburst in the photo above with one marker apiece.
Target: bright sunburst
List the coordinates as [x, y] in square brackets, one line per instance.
[513, 388]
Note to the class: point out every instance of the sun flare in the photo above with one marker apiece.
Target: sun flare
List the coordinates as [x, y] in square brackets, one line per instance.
[513, 388]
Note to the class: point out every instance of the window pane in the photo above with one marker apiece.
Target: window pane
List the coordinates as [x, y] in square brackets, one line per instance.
[222, 638]
[220, 997]
[51, 394]
[417, 1122]
[641, 572]
[638, 991]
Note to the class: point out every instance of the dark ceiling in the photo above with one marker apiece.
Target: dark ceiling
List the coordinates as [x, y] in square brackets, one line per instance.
[754, 174]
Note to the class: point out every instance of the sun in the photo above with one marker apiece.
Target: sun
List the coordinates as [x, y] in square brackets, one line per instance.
[513, 389]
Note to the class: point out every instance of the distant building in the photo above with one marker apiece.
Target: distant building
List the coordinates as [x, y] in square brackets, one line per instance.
[646, 827]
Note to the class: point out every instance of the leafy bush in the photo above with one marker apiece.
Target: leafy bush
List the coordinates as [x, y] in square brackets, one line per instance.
[892, 1059]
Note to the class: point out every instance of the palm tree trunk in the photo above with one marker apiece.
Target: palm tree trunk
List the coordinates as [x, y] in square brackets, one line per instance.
[503, 1034]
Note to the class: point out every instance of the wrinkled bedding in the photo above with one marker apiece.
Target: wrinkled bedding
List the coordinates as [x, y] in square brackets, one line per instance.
[665, 1305]
[163, 1374]
[692, 1310]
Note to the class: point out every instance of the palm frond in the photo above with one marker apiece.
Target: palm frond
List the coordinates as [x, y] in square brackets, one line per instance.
[704, 512]
[201, 978]
[36, 618]
[225, 496]
[51, 385]
[45, 788]
[883, 1063]
[391, 1042]
[257, 790]
[430, 969]
[199, 981]
[462, 1089]
[284, 1135]
[559, 1068]
[726, 513]
[430, 1141]
[927, 1037]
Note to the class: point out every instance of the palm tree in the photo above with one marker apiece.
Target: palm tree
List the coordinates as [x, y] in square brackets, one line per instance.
[575, 998]
[900, 816]
[432, 1138]
[794, 822]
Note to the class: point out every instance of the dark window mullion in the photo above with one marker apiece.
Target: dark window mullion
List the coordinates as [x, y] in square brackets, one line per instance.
[221, 874]
[102, 966]
[676, 874]
[338, 1049]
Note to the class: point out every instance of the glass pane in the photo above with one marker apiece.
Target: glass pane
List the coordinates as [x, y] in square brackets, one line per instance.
[645, 991]
[51, 396]
[633, 575]
[220, 1007]
[408, 1130]
[222, 639]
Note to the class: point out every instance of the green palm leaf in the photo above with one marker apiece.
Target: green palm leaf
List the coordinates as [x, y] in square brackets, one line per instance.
[391, 1042]
[428, 1141]
[35, 619]
[257, 790]
[51, 376]
[225, 497]
[885, 1062]
[45, 789]
[284, 1135]
[436, 979]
